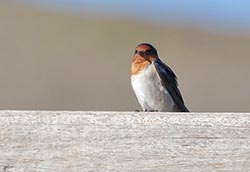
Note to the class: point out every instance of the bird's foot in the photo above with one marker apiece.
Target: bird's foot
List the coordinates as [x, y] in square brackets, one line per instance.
[151, 110]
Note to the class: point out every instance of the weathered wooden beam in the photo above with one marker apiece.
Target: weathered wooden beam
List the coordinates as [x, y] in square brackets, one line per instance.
[40, 141]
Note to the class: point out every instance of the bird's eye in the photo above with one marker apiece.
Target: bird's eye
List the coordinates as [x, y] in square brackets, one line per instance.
[136, 51]
[148, 52]
[141, 53]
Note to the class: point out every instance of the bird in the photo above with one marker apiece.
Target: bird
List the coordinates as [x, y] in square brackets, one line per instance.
[154, 83]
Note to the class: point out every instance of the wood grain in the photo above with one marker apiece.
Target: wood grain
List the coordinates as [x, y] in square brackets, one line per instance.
[42, 141]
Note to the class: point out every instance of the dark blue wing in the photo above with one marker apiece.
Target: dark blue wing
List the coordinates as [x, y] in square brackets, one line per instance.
[169, 81]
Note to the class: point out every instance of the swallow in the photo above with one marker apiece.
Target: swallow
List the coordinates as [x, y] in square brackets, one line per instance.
[154, 83]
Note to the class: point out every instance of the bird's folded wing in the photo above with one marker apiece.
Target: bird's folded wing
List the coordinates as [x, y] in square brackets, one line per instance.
[169, 81]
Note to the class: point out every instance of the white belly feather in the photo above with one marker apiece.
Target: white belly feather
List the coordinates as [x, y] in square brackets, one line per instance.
[149, 91]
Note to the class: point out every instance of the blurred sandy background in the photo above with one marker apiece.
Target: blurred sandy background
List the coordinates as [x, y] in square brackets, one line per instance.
[55, 61]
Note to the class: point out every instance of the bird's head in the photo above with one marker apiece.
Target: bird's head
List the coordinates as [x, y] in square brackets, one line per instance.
[145, 51]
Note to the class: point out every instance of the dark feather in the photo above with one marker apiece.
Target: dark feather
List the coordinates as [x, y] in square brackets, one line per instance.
[169, 81]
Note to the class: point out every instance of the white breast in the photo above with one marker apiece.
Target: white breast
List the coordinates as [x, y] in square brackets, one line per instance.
[149, 91]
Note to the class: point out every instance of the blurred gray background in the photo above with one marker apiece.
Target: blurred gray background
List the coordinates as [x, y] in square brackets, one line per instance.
[76, 55]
